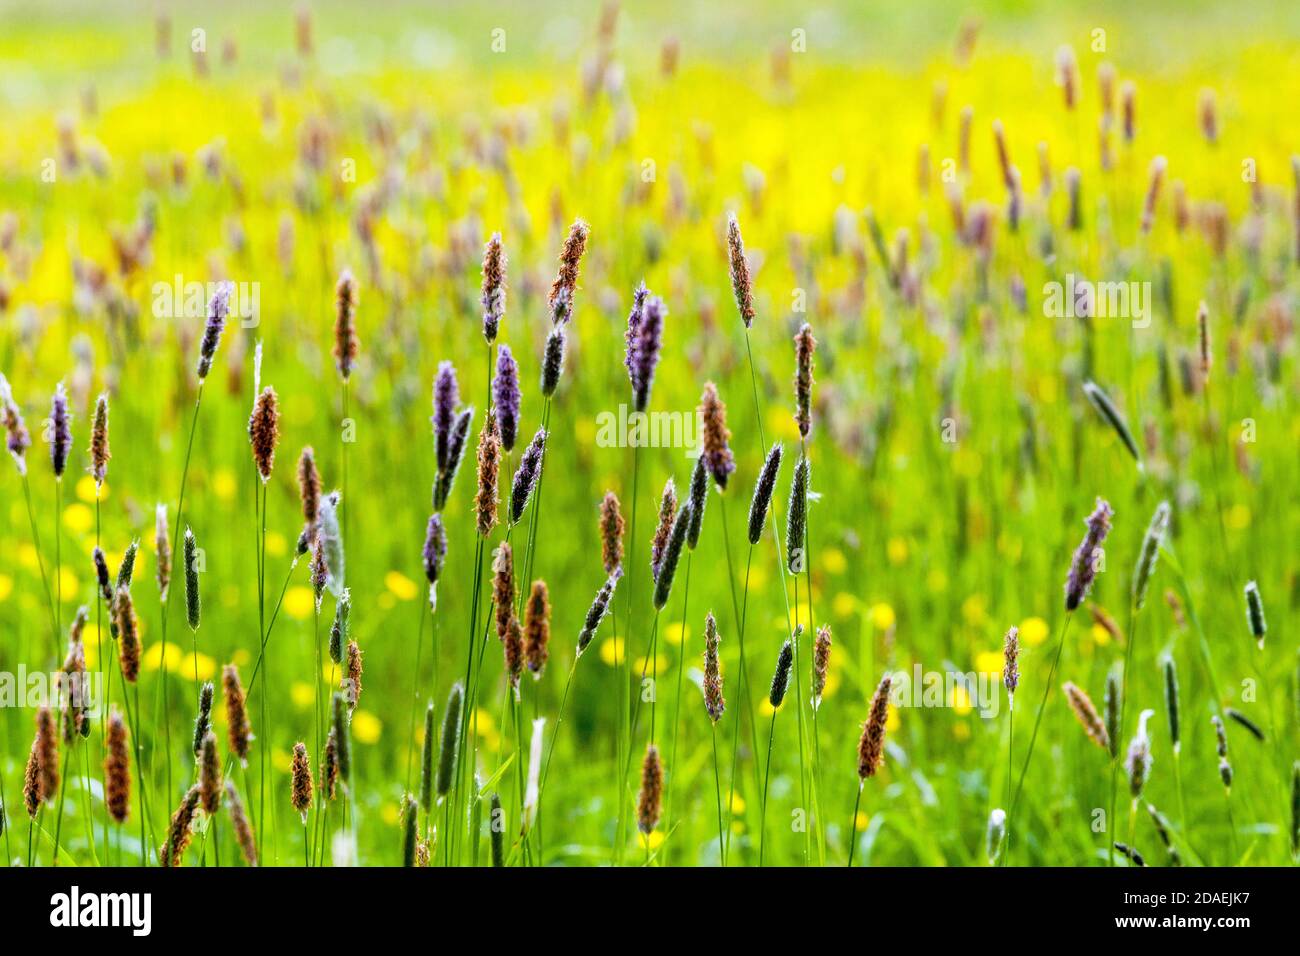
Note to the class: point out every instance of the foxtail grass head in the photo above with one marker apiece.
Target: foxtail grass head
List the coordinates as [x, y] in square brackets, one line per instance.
[163, 547]
[644, 345]
[804, 345]
[527, 475]
[117, 768]
[599, 607]
[264, 432]
[99, 452]
[671, 556]
[506, 396]
[218, 310]
[821, 664]
[663, 527]
[1138, 762]
[650, 797]
[309, 495]
[714, 702]
[238, 730]
[17, 438]
[1087, 715]
[741, 285]
[128, 635]
[763, 490]
[566, 280]
[697, 498]
[716, 453]
[781, 675]
[995, 835]
[1088, 556]
[239, 821]
[493, 300]
[209, 775]
[60, 431]
[451, 720]
[1255, 613]
[330, 534]
[434, 554]
[1150, 552]
[179, 832]
[345, 331]
[537, 628]
[489, 460]
[301, 782]
[871, 746]
[503, 586]
[1010, 662]
[193, 602]
[1108, 411]
[796, 519]
[203, 721]
[611, 533]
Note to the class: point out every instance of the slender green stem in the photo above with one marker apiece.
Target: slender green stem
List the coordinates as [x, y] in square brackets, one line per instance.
[1038, 718]
[717, 792]
[853, 822]
[767, 776]
[40, 563]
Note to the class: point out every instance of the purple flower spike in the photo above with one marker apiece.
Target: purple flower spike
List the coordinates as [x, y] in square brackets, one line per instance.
[505, 393]
[446, 396]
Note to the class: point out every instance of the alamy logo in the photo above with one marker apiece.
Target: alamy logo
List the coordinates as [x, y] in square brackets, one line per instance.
[650, 430]
[179, 299]
[1079, 298]
[77, 909]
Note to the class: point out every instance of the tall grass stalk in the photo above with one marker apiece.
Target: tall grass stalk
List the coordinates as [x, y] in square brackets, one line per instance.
[624, 668]
[1038, 718]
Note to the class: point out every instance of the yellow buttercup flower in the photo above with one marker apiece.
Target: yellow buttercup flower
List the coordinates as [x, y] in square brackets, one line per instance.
[989, 662]
[882, 616]
[896, 550]
[299, 603]
[677, 632]
[366, 727]
[78, 518]
[403, 588]
[224, 484]
[612, 650]
[833, 561]
[1033, 631]
[85, 490]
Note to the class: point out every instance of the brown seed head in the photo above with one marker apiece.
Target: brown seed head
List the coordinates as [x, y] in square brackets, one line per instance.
[329, 765]
[117, 769]
[804, 345]
[99, 453]
[503, 587]
[1084, 710]
[566, 280]
[209, 775]
[652, 786]
[537, 627]
[667, 511]
[1010, 656]
[717, 437]
[264, 432]
[514, 652]
[163, 544]
[302, 783]
[611, 532]
[178, 834]
[489, 460]
[821, 661]
[740, 281]
[871, 748]
[345, 333]
[239, 820]
[714, 702]
[309, 489]
[128, 634]
[236, 714]
[352, 683]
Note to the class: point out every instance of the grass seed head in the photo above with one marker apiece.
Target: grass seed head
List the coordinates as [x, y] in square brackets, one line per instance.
[239, 821]
[649, 798]
[796, 518]
[239, 732]
[871, 746]
[489, 459]
[1255, 613]
[1087, 715]
[566, 280]
[611, 533]
[599, 607]
[203, 722]
[716, 440]
[345, 332]
[99, 453]
[17, 438]
[493, 300]
[537, 627]
[740, 282]
[553, 360]
[117, 768]
[821, 663]
[1150, 552]
[264, 432]
[60, 431]
[163, 546]
[180, 830]
[193, 603]
[301, 788]
[671, 557]
[663, 527]
[1083, 568]
[714, 703]
[527, 475]
[128, 635]
[804, 345]
[763, 490]
[506, 396]
[781, 676]
[697, 498]
[209, 775]
[218, 310]
[447, 756]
